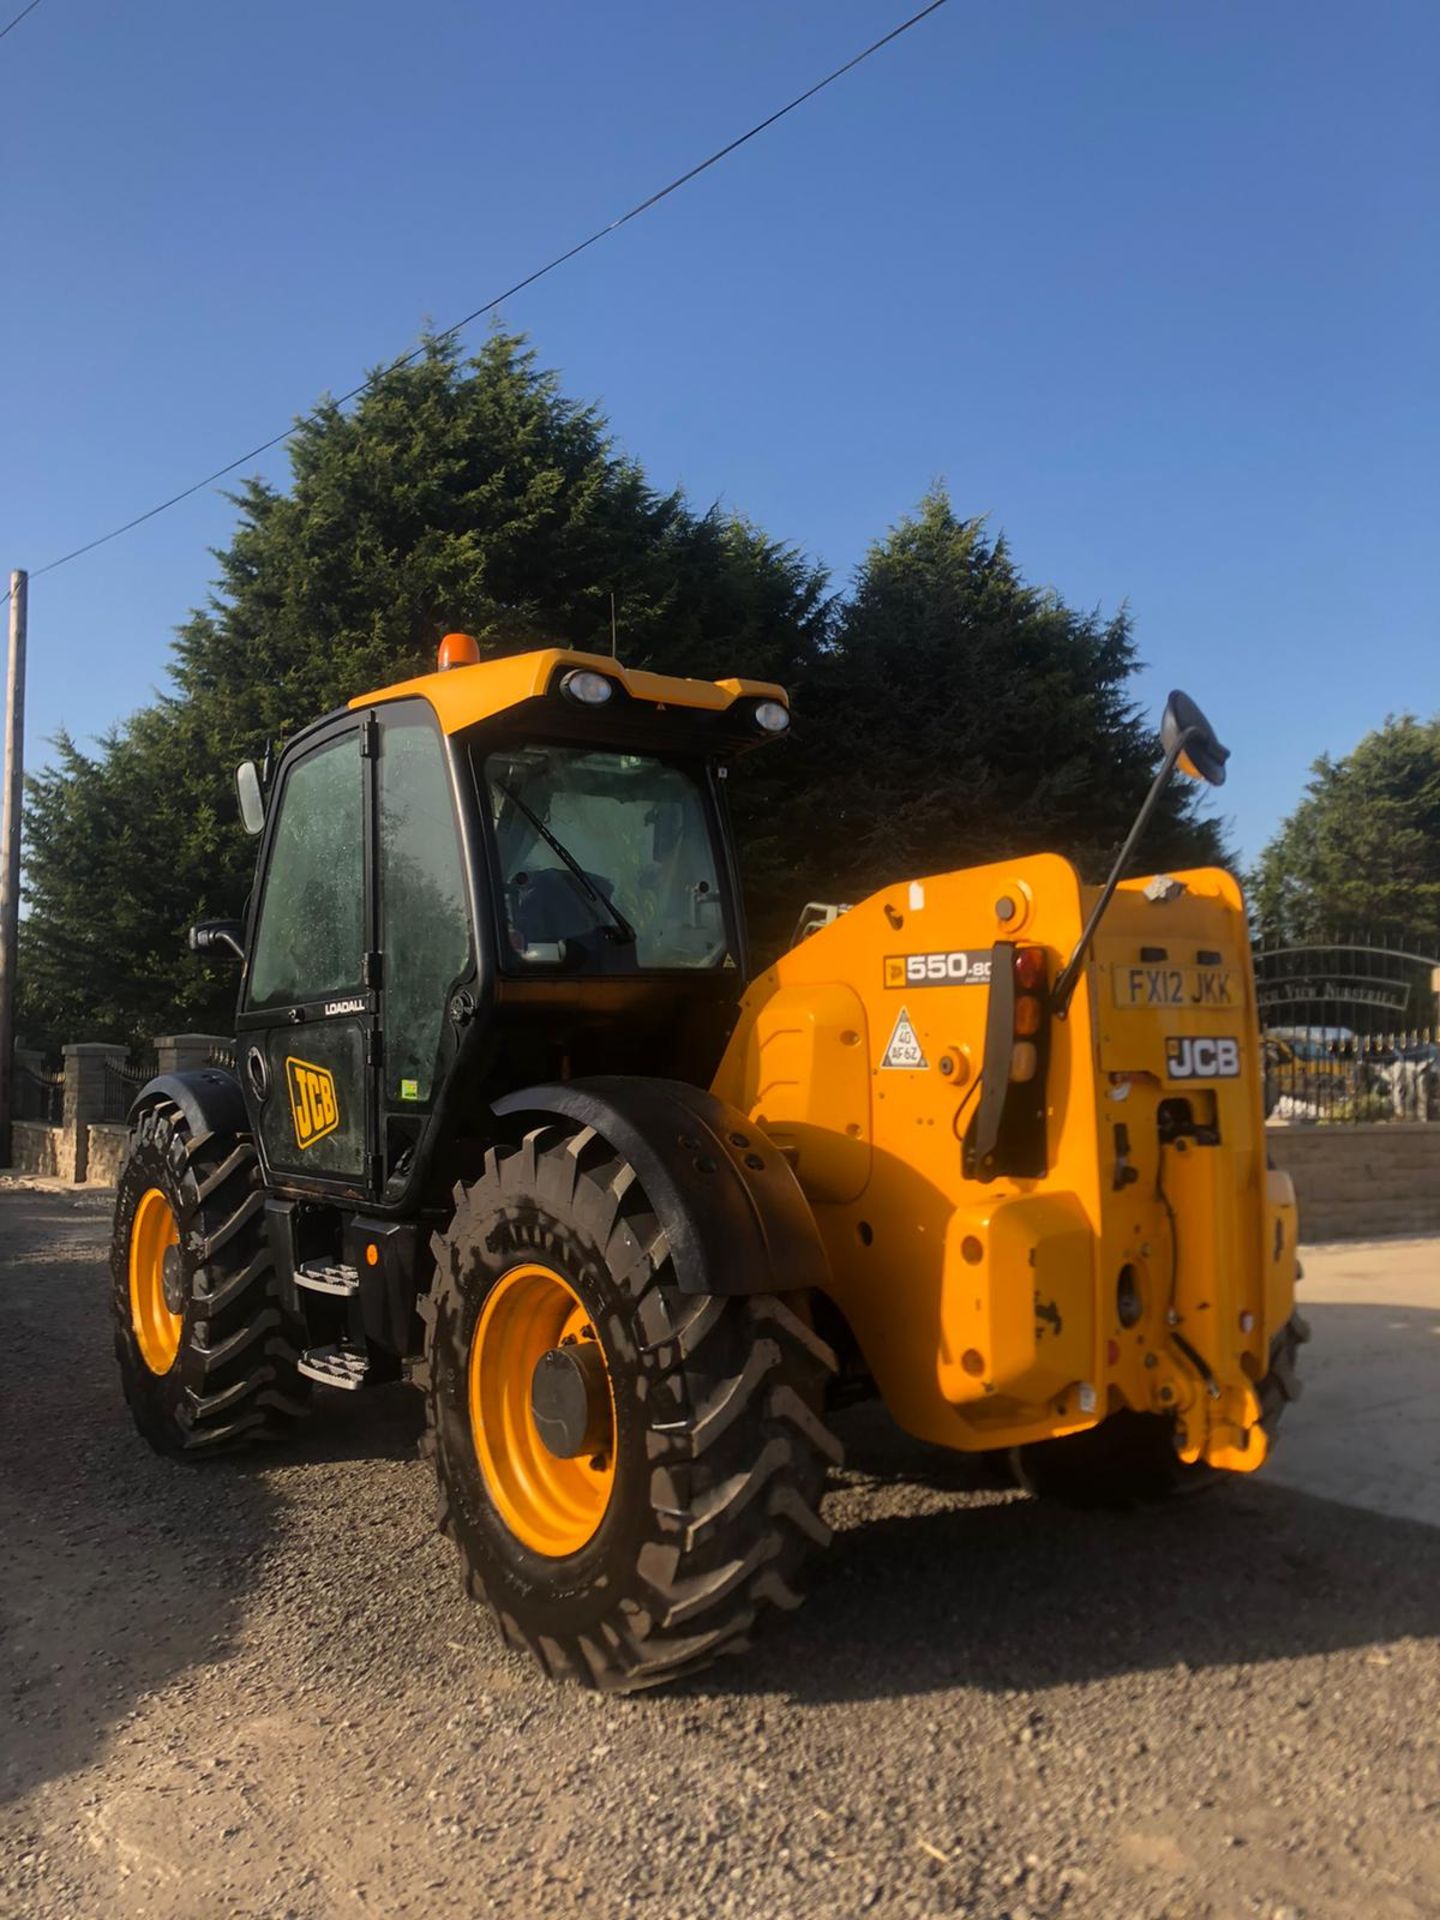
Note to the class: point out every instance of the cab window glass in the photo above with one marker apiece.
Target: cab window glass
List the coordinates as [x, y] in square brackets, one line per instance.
[425, 914]
[310, 940]
[641, 886]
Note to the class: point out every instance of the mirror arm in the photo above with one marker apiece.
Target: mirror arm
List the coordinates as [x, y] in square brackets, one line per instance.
[1069, 976]
[208, 935]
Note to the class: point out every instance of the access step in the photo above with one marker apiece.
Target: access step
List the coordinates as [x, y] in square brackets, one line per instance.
[328, 1276]
[335, 1366]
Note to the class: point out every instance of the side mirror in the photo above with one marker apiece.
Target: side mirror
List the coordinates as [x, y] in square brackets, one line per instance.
[1189, 742]
[218, 936]
[252, 800]
[1201, 755]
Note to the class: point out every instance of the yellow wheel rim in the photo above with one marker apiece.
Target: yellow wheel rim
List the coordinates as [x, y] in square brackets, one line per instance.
[555, 1506]
[157, 1330]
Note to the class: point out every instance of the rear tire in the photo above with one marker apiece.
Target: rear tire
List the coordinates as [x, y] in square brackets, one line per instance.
[1130, 1459]
[713, 1451]
[208, 1362]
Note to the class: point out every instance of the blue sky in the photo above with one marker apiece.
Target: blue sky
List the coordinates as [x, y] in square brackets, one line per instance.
[1156, 287]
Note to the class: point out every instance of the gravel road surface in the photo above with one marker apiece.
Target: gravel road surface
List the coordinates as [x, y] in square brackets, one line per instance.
[255, 1688]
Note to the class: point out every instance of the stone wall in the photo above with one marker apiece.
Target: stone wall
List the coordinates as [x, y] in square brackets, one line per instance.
[87, 1148]
[1362, 1182]
[107, 1153]
[36, 1148]
[51, 1151]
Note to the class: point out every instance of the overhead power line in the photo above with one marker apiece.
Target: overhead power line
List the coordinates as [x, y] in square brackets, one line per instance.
[11, 28]
[489, 306]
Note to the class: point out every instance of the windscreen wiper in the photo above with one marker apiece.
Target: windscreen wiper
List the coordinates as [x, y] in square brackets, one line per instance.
[622, 932]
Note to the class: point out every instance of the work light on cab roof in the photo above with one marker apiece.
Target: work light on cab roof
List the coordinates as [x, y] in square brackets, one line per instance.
[590, 689]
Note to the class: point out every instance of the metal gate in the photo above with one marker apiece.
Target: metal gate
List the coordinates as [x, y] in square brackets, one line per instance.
[1350, 1030]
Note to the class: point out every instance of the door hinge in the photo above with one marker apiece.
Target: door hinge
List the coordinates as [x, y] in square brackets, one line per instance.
[374, 1048]
[369, 737]
[374, 967]
[377, 1171]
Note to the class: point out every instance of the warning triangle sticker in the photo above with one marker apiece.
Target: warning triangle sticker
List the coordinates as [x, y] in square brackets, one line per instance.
[904, 1049]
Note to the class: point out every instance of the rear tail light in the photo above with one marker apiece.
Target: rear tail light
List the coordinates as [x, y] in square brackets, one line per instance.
[1028, 1023]
[1007, 1135]
[1030, 968]
[1028, 1014]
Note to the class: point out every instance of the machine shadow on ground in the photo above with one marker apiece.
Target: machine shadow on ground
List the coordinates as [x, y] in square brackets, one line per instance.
[1003, 1592]
[382, 1423]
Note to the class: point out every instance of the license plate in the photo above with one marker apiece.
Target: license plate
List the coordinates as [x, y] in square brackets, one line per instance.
[1192, 987]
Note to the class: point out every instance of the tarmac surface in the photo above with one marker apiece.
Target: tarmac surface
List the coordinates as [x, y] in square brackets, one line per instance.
[256, 1689]
[1367, 1431]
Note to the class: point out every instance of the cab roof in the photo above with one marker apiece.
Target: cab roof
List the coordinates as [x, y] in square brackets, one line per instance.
[463, 696]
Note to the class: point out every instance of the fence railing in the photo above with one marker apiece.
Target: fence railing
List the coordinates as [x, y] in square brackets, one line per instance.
[1328, 1075]
[123, 1079]
[71, 1124]
[38, 1095]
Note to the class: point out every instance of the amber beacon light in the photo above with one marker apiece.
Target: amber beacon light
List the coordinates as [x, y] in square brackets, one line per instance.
[458, 650]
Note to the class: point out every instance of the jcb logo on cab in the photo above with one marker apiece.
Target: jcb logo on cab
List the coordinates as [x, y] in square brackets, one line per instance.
[313, 1106]
[1203, 1059]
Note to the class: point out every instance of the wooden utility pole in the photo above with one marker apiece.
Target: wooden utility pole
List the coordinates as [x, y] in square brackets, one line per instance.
[10, 806]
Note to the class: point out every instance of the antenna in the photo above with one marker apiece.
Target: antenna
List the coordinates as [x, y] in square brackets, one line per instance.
[614, 636]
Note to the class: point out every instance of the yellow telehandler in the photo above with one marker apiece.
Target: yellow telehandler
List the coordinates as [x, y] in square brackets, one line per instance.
[507, 1121]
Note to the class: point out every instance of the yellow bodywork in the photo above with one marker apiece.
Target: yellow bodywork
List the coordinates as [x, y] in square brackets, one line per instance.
[466, 695]
[988, 1314]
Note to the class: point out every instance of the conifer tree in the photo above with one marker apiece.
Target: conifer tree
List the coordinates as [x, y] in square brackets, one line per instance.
[455, 495]
[961, 716]
[946, 713]
[1362, 850]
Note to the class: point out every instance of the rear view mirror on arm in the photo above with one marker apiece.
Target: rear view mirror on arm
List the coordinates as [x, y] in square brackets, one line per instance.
[252, 800]
[1200, 753]
[218, 936]
[1190, 744]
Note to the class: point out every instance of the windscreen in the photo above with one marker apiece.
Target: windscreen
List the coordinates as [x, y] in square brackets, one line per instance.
[607, 861]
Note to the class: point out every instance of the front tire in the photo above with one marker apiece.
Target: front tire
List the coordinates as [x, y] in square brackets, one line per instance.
[203, 1346]
[689, 1505]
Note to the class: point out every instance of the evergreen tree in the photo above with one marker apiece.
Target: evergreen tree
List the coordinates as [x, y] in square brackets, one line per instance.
[962, 716]
[1362, 850]
[948, 713]
[470, 496]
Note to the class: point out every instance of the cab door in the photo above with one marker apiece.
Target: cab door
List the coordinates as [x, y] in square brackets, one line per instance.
[306, 1026]
[424, 921]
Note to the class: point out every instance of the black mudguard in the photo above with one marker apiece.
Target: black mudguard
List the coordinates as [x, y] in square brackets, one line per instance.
[732, 1210]
[209, 1097]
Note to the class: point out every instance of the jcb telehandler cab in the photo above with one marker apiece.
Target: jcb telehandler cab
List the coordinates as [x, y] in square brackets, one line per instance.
[506, 1120]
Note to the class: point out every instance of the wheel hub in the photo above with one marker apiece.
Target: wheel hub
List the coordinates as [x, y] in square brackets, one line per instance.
[542, 1410]
[154, 1249]
[172, 1280]
[570, 1400]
